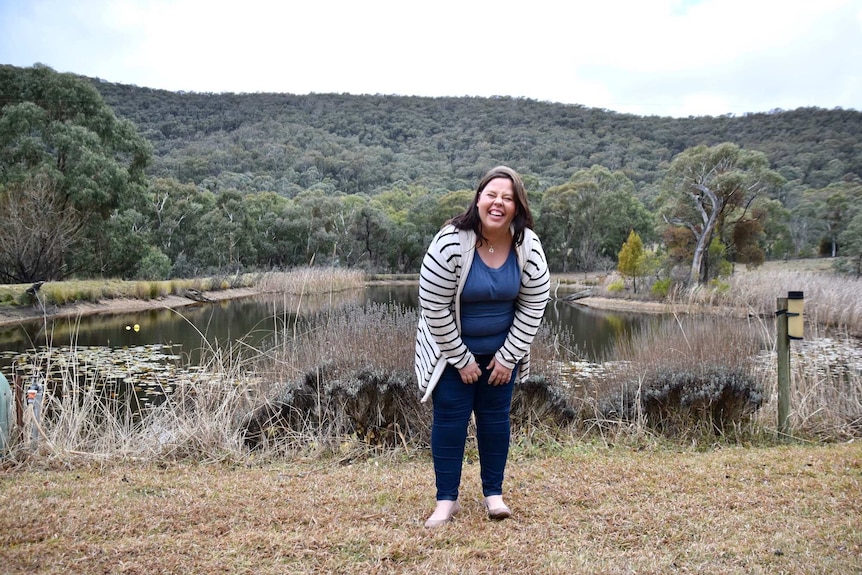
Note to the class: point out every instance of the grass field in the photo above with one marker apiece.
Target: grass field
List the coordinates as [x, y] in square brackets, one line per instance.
[581, 509]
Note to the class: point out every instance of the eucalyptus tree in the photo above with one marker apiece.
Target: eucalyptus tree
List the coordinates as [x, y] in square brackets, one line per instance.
[558, 226]
[827, 212]
[58, 137]
[851, 240]
[584, 222]
[321, 226]
[265, 213]
[223, 236]
[375, 236]
[175, 211]
[707, 190]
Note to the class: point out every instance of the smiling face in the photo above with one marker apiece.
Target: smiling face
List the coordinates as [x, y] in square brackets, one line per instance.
[497, 207]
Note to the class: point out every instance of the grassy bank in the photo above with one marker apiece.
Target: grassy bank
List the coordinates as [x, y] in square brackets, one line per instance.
[583, 508]
[298, 281]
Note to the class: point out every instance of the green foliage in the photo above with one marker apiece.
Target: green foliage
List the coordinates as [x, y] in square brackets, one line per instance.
[824, 214]
[616, 286]
[719, 287]
[660, 288]
[62, 146]
[631, 258]
[154, 265]
[708, 191]
[717, 264]
[286, 143]
[584, 221]
[851, 241]
[263, 181]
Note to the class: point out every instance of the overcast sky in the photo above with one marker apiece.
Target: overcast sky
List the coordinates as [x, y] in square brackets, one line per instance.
[647, 57]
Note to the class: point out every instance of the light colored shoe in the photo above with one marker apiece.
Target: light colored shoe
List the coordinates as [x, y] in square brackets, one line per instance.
[432, 523]
[497, 513]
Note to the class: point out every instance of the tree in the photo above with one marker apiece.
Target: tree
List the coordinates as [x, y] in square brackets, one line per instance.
[704, 186]
[584, 221]
[558, 226]
[828, 211]
[372, 231]
[851, 239]
[55, 129]
[631, 259]
[36, 231]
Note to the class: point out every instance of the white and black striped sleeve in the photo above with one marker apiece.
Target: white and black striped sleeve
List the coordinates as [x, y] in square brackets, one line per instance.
[438, 281]
[530, 307]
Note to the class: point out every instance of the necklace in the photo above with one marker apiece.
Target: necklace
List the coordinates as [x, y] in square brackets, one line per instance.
[490, 249]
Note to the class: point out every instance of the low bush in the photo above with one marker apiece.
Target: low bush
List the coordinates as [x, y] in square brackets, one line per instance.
[710, 399]
[660, 288]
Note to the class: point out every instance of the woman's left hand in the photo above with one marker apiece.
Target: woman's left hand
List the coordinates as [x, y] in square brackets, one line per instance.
[500, 374]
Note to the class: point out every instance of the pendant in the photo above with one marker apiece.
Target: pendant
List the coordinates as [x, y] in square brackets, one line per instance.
[491, 250]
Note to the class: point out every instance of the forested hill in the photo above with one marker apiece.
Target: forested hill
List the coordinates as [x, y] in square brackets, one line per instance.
[363, 144]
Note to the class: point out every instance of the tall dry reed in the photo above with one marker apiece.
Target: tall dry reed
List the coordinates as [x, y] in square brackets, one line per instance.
[342, 375]
[826, 386]
[831, 300]
[681, 376]
[312, 280]
[84, 416]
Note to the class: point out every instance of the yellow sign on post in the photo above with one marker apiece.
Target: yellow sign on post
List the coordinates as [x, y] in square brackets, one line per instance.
[795, 305]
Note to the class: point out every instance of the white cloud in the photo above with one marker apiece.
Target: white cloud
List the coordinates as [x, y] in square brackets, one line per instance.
[668, 57]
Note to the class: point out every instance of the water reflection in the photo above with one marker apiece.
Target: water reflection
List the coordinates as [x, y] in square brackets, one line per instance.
[253, 322]
[592, 332]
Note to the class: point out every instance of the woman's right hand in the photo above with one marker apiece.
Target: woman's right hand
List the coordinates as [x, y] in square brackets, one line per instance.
[470, 373]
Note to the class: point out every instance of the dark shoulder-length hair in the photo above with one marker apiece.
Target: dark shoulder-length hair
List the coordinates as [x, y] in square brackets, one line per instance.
[469, 219]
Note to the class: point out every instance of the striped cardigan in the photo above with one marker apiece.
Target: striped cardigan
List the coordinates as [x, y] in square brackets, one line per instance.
[442, 278]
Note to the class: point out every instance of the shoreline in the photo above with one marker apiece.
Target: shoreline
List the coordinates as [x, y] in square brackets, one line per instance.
[13, 316]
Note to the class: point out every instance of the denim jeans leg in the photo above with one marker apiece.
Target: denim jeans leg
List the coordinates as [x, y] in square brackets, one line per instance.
[493, 429]
[453, 403]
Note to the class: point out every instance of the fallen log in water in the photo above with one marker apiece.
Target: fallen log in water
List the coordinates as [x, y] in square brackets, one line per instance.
[577, 295]
[197, 295]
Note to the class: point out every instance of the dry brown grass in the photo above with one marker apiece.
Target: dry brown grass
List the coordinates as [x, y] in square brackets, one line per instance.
[830, 300]
[60, 293]
[312, 280]
[580, 509]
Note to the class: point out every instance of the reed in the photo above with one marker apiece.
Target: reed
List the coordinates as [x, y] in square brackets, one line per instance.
[348, 375]
[86, 418]
[831, 300]
[312, 280]
[94, 291]
[826, 387]
[339, 380]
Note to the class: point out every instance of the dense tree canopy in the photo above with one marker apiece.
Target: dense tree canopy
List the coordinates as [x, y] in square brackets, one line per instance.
[62, 147]
[585, 221]
[101, 179]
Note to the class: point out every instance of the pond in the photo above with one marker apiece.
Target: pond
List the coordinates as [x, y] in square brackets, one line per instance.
[145, 354]
[253, 321]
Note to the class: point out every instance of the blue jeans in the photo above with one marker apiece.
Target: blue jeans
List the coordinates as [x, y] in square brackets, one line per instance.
[454, 401]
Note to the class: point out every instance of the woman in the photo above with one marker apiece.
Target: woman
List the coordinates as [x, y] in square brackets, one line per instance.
[483, 289]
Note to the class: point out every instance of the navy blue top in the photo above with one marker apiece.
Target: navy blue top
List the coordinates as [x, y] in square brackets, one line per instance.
[488, 304]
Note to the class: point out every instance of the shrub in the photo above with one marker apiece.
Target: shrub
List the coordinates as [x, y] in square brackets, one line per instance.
[154, 265]
[675, 401]
[679, 376]
[616, 286]
[719, 287]
[660, 288]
